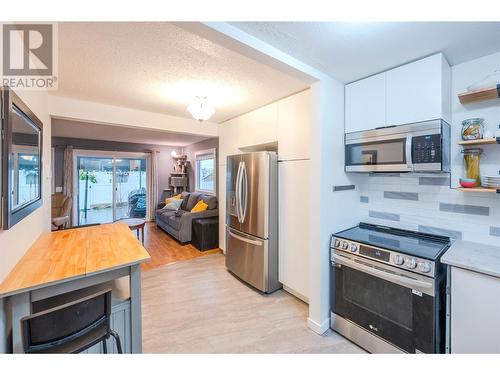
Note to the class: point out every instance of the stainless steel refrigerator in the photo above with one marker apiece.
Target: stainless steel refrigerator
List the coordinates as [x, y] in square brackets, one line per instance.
[252, 219]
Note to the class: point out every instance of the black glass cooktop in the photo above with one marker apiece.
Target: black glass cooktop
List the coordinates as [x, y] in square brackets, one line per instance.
[422, 245]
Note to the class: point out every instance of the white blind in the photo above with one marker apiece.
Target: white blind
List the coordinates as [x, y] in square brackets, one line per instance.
[208, 156]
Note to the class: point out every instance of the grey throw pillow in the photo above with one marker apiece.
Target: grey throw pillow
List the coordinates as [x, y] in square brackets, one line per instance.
[185, 202]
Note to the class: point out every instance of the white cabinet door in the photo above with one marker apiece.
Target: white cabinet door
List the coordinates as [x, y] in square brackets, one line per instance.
[418, 91]
[293, 127]
[365, 104]
[294, 226]
[475, 312]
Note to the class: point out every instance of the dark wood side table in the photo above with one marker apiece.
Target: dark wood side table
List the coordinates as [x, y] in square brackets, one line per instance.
[135, 224]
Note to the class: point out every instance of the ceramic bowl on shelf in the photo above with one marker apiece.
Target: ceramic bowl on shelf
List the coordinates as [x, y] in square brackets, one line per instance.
[468, 182]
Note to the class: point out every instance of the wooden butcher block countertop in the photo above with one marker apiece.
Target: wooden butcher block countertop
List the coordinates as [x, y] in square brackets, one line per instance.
[74, 253]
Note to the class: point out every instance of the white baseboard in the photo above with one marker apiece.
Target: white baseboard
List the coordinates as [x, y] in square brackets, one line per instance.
[296, 294]
[318, 328]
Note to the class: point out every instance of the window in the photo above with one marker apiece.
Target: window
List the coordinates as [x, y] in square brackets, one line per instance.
[205, 171]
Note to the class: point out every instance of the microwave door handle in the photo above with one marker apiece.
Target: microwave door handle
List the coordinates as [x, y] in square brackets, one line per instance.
[398, 279]
[409, 161]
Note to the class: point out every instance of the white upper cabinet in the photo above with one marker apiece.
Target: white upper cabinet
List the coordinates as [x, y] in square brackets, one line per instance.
[414, 92]
[365, 104]
[419, 91]
[293, 127]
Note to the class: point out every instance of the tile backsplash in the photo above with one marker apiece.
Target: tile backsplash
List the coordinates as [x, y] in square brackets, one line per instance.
[427, 203]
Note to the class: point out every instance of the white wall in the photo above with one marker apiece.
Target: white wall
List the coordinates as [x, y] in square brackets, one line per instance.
[481, 220]
[15, 241]
[330, 211]
[253, 128]
[464, 75]
[76, 109]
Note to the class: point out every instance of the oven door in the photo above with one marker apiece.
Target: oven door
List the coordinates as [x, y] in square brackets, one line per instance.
[395, 305]
[379, 154]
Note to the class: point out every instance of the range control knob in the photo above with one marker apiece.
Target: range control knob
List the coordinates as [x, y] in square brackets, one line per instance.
[399, 260]
[410, 263]
[353, 247]
[424, 267]
[345, 245]
[337, 243]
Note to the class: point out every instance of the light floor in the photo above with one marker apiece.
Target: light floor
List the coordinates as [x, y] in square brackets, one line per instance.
[197, 306]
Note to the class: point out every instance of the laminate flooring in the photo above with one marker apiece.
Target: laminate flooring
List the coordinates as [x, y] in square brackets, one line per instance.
[164, 249]
[197, 306]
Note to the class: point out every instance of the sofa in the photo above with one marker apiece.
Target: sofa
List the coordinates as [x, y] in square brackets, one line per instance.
[178, 223]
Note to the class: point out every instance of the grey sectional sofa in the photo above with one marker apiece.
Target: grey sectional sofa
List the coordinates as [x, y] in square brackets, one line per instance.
[178, 223]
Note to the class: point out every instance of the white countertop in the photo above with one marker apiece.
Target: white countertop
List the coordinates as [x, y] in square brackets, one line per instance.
[474, 257]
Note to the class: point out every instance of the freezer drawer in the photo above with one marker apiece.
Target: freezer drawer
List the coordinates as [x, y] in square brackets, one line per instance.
[249, 258]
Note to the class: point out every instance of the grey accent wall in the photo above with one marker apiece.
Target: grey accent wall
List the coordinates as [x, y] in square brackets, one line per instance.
[200, 146]
[426, 203]
[165, 161]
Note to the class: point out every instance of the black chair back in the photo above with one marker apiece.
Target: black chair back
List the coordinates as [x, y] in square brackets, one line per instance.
[70, 328]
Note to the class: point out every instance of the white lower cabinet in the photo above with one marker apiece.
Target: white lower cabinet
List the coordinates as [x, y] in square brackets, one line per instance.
[475, 312]
[294, 209]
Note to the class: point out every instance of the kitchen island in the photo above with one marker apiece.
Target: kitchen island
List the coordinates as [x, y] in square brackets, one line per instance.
[67, 263]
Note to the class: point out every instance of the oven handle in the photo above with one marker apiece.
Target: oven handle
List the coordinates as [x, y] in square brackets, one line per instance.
[401, 280]
[409, 161]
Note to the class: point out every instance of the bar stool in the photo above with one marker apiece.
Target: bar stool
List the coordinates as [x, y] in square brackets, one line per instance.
[72, 327]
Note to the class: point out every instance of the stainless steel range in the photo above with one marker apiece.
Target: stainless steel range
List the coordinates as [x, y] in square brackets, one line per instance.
[388, 289]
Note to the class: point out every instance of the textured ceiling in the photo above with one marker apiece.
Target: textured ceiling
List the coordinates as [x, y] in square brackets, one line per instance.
[86, 130]
[160, 67]
[352, 50]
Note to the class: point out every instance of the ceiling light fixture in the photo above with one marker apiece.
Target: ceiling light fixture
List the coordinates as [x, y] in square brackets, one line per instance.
[200, 109]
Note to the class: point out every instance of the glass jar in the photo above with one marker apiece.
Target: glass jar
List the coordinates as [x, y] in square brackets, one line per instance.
[472, 128]
[472, 158]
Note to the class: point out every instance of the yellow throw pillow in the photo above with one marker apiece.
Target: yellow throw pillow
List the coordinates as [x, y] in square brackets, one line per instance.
[200, 206]
[175, 197]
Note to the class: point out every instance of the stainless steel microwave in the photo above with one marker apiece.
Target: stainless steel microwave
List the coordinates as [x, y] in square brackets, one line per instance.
[417, 147]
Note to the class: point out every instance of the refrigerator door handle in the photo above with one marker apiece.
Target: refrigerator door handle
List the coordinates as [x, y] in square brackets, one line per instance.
[241, 238]
[244, 188]
[238, 193]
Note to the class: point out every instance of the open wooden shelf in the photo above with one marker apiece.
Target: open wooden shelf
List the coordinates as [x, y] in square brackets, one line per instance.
[478, 189]
[479, 95]
[489, 141]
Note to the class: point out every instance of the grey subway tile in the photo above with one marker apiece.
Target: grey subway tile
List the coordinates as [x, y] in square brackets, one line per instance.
[344, 187]
[434, 181]
[363, 199]
[401, 195]
[384, 215]
[464, 209]
[495, 231]
[440, 231]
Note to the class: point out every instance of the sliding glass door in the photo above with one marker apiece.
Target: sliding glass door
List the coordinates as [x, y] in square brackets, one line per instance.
[130, 188]
[110, 186]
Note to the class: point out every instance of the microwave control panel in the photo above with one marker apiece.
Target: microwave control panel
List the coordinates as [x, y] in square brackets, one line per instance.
[426, 149]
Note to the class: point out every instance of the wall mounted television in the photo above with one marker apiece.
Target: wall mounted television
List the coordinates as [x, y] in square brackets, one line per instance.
[21, 152]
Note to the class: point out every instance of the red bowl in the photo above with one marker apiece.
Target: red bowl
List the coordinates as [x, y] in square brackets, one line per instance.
[468, 184]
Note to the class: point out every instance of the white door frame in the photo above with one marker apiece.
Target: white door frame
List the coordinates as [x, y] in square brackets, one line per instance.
[113, 155]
